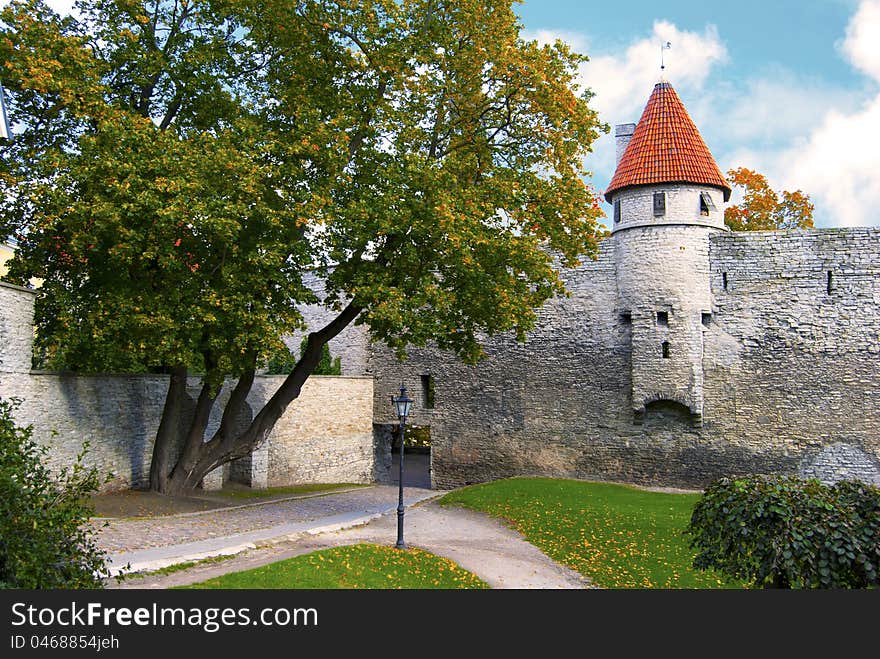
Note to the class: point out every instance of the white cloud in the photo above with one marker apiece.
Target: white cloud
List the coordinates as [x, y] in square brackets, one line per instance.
[577, 41]
[839, 166]
[862, 38]
[623, 82]
[838, 162]
[774, 110]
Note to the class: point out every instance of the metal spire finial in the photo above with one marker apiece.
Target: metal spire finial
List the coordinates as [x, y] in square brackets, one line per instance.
[663, 47]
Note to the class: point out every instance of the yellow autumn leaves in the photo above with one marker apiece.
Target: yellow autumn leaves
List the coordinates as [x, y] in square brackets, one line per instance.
[615, 535]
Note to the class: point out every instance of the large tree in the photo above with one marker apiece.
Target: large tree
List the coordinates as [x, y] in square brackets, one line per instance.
[178, 165]
[761, 208]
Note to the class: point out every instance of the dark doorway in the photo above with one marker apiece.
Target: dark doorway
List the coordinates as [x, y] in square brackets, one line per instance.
[416, 458]
[416, 468]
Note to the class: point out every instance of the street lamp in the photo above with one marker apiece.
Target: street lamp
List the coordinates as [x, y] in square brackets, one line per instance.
[402, 405]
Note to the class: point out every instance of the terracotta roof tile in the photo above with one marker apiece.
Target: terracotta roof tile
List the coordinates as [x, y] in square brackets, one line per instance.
[666, 147]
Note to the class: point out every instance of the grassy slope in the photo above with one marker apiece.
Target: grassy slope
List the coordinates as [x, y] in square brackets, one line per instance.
[353, 566]
[618, 536]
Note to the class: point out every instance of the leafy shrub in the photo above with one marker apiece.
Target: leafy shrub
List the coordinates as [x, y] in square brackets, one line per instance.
[417, 437]
[283, 361]
[787, 532]
[328, 365]
[45, 541]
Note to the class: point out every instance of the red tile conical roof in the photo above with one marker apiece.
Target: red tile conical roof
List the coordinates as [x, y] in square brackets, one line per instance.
[666, 147]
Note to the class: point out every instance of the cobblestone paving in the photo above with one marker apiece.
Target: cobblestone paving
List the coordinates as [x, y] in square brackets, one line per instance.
[119, 535]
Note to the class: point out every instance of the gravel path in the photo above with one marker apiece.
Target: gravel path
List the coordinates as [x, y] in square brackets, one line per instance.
[477, 542]
[120, 535]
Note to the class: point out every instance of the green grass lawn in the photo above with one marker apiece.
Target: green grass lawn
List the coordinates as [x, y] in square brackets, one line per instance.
[618, 536]
[354, 566]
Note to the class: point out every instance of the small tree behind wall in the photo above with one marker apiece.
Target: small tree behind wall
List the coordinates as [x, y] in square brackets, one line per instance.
[283, 361]
[328, 365]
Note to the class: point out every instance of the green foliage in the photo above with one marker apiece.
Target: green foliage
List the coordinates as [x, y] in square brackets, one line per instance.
[616, 535]
[45, 540]
[761, 209]
[281, 362]
[180, 171]
[356, 566]
[328, 364]
[787, 532]
[177, 167]
[416, 436]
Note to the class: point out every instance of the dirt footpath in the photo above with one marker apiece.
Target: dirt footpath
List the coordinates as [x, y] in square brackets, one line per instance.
[477, 542]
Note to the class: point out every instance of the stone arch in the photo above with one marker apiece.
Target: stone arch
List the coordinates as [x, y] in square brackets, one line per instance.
[667, 408]
[668, 396]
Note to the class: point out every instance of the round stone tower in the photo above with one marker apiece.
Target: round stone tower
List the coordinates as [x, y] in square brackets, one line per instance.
[668, 196]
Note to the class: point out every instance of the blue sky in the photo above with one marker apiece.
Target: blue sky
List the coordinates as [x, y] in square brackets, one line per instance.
[791, 89]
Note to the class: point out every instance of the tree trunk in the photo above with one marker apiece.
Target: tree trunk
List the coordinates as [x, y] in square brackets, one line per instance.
[199, 458]
[185, 476]
[169, 430]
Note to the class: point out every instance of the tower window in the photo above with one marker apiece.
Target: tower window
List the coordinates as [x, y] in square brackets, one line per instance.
[665, 348]
[662, 317]
[626, 318]
[706, 204]
[428, 391]
[659, 204]
[828, 285]
[724, 280]
[706, 319]
[616, 211]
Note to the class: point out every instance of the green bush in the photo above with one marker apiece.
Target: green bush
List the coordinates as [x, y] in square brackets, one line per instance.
[45, 541]
[282, 362]
[328, 364]
[417, 437]
[787, 532]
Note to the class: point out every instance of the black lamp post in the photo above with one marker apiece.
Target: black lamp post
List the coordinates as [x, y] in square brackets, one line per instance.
[402, 405]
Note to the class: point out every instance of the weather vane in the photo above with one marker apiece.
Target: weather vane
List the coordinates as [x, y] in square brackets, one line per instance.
[663, 47]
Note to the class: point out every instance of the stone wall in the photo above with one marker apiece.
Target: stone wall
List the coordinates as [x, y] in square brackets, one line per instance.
[324, 436]
[667, 353]
[528, 408]
[790, 375]
[682, 206]
[327, 434]
[792, 359]
[352, 344]
[787, 367]
[16, 333]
